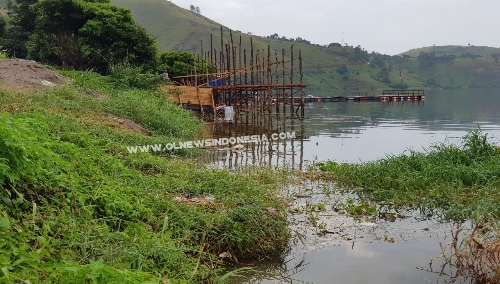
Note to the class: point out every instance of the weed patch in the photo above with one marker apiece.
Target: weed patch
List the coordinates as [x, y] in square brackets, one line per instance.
[462, 179]
[75, 206]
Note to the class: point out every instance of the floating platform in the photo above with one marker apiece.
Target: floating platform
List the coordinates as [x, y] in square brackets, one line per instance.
[388, 96]
[356, 99]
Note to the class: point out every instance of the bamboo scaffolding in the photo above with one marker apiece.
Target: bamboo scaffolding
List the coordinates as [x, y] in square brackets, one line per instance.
[253, 81]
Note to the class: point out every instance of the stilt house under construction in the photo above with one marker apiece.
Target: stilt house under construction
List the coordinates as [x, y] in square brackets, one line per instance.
[258, 81]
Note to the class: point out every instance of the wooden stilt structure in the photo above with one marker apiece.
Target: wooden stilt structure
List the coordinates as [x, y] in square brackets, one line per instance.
[265, 82]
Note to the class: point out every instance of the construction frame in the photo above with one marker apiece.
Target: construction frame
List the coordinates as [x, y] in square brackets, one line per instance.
[259, 81]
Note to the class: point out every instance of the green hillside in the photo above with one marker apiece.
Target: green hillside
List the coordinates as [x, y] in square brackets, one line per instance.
[455, 50]
[325, 68]
[458, 73]
[179, 29]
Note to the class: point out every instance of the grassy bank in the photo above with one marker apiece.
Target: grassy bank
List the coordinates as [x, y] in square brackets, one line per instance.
[464, 179]
[76, 207]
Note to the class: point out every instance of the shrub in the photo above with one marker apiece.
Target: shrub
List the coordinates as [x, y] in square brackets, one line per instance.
[126, 76]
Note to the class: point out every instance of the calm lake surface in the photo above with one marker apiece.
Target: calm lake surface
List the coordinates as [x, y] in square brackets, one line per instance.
[360, 251]
[364, 131]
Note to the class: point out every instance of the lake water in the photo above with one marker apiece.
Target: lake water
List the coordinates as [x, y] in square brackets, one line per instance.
[356, 250]
[364, 131]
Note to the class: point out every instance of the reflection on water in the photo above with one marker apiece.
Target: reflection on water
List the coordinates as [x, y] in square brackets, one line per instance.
[362, 131]
[273, 152]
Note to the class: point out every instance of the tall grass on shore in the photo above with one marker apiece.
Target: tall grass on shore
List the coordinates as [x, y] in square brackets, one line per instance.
[462, 179]
[76, 207]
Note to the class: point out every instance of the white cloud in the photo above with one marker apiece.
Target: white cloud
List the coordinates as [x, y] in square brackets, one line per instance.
[360, 250]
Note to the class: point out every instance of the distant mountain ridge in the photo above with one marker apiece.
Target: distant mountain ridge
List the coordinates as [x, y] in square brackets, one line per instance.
[455, 50]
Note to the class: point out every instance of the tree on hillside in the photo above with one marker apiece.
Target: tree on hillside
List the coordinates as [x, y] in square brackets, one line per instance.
[377, 59]
[301, 40]
[496, 57]
[334, 44]
[197, 10]
[342, 69]
[181, 63]
[192, 8]
[360, 54]
[3, 24]
[88, 34]
[426, 60]
[274, 36]
[21, 25]
[383, 76]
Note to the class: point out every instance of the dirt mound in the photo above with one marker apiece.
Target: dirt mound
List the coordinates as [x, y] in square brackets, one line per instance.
[27, 75]
[96, 94]
[127, 123]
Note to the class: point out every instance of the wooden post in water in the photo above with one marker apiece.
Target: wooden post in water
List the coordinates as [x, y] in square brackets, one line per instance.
[277, 63]
[283, 79]
[269, 79]
[246, 76]
[301, 85]
[292, 99]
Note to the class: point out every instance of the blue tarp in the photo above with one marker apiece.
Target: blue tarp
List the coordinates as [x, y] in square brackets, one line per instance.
[215, 83]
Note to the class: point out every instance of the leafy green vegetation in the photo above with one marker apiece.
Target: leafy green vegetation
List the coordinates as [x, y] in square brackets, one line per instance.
[96, 34]
[76, 207]
[3, 24]
[3, 54]
[183, 63]
[463, 180]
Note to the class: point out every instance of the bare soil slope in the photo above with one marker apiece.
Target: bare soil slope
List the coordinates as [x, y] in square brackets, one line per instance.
[27, 75]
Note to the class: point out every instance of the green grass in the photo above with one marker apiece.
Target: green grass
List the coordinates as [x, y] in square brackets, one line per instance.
[462, 180]
[76, 207]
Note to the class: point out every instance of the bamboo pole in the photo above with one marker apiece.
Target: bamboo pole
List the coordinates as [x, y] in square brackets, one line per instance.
[269, 79]
[302, 93]
[246, 76]
[284, 92]
[292, 99]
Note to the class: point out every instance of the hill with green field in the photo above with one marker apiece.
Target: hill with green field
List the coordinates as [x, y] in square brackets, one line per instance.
[457, 73]
[455, 50]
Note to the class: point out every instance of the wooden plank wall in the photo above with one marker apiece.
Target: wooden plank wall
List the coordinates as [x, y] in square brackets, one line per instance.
[190, 95]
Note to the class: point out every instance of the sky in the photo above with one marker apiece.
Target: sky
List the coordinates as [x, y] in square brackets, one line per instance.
[384, 26]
